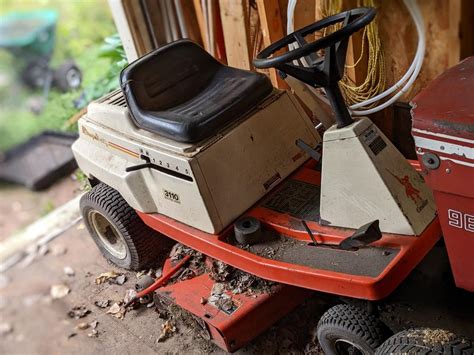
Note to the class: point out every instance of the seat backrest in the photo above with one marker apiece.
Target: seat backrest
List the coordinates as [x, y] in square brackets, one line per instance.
[168, 76]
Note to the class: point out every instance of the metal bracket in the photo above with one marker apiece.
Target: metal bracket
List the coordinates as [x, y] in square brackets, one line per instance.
[312, 152]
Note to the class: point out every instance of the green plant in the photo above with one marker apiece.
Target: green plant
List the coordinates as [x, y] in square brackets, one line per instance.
[113, 51]
[84, 184]
[81, 29]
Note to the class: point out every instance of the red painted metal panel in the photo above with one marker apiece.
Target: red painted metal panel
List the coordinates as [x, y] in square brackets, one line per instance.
[446, 106]
[411, 250]
[443, 127]
[252, 314]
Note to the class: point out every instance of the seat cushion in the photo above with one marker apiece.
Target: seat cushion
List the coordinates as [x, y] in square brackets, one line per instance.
[181, 92]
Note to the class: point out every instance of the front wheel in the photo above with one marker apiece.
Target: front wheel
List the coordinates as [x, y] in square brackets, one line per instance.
[120, 234]
[346, 329]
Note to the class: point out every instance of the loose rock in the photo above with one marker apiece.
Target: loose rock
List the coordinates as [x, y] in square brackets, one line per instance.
[69, 271]
[102, 304]
[78, 312]
[5, 328]
[59, 291]
[120, 280]
[93, 334]
[117, 311]
[58, 249]
[82, 326]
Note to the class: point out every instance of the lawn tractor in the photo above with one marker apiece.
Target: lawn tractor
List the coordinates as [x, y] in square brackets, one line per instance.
[29, 37]
[218, 160]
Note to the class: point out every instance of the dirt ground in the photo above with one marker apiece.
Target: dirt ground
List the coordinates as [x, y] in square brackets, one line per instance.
[20, 207]
[41, 325]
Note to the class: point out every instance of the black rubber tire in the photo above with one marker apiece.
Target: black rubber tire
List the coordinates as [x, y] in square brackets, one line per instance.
[419, 341]
[352, 324]
[143, 245]
[35, 73]
[61, 79]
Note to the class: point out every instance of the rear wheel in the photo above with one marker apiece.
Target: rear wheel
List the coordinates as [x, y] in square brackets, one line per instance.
[426, 341]
[347, 329]
[68, 76]
[120, 234]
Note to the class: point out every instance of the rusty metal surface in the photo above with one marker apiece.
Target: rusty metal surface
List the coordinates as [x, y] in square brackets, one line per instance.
[446, 105]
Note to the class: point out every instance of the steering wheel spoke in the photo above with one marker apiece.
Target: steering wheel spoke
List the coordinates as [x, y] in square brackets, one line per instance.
[346, 19]
[310, 59]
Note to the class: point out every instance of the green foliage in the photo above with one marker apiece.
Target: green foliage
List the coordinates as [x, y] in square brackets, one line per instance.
[83, 180]
[112, 50]
[81, 29]
[47, 207]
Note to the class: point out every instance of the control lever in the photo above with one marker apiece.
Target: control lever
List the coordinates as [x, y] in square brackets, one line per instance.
[365, 235]
[312, 152]
[147, 164]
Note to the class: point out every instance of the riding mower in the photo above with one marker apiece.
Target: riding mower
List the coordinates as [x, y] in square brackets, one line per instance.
[218, 160]
[30, 36]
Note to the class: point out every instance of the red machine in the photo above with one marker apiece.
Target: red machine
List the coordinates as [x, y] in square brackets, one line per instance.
[318, 229]
[443, 129]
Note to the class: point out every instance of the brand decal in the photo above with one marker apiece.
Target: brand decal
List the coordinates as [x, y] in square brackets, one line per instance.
[94, 136]
[411, 192]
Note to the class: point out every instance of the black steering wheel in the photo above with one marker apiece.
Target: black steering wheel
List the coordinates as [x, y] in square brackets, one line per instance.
[319, 71]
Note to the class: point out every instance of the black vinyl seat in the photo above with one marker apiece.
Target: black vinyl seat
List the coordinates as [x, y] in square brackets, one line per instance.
[181, 92]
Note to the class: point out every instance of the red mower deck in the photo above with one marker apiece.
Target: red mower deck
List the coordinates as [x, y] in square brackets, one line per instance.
[250, 315]
[370, 273]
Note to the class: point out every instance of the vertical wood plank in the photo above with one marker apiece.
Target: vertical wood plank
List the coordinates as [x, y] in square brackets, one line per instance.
[201, 23]
[272, 30]
[467, 28]
[234, 17]
[305, 12]
[191, 19]
[454, 42]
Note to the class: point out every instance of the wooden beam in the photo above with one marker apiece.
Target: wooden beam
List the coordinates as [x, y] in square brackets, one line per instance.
[138, 27]
[467, 28]
[454, 42]
[234, 17]
[305, 12]
[191, 20]
[201, 23]
[272, 30]
[155, 18]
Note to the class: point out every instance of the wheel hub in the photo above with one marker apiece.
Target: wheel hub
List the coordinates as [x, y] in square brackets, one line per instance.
[73, 78]
[108, 234]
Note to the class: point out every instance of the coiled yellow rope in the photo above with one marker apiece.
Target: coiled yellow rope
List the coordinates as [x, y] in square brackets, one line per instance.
[375, 81]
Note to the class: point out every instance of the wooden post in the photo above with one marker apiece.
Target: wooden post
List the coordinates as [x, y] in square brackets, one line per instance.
[272, 30]
[201, 23]
[305, 12]
[234, 17]
[454, 42]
